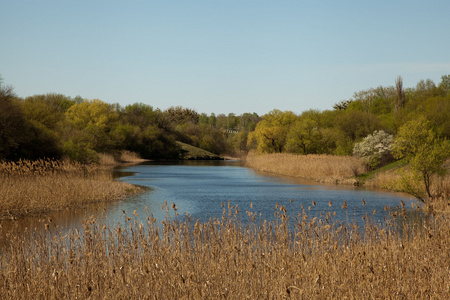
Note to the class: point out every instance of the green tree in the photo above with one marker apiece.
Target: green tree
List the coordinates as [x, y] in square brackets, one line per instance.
[271, 132]
[12, 124]
[90, 124]
[445, 84]
[354, 125]
[304, 137]
[417, 143]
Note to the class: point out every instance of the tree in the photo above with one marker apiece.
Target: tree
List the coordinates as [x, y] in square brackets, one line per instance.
[179, 115]
[354, 125]
[304, 136]
[90, 125]
[400, 95]
[375, 149]
[12, 124]
[424, 151]
[445, 84]
[270, 133]
[342, 105]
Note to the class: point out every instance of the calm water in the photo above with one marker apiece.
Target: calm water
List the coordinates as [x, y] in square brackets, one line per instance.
[199, 189]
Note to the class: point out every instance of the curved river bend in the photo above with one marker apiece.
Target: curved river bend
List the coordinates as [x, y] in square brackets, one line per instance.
[199, 189]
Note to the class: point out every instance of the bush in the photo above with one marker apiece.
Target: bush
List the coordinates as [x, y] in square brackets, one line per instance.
[375, 149]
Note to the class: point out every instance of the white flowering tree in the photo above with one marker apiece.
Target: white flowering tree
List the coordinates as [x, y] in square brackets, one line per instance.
[375, 149]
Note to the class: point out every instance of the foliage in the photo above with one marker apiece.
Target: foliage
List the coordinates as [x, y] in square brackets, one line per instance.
[271, 132]
[423, 150]
[304, 137]
[49, 125]
[375, 149]
[12, 124]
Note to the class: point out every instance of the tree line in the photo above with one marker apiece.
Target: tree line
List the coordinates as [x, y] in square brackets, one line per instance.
[336, 131]
[54, 125]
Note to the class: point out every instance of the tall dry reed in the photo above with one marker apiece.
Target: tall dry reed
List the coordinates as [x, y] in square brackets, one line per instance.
[322, 168]
[294, 257]
[33, 187]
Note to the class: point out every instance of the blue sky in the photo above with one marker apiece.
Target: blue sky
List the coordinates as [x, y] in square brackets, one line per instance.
[221, 56]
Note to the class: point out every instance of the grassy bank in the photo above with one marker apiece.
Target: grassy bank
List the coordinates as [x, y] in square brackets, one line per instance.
[321, 168]
[349, 170]
[397, 177]
[190, 152]
[35, 187]
[223, 259]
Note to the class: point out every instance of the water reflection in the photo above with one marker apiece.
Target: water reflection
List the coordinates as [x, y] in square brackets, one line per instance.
[200, 188]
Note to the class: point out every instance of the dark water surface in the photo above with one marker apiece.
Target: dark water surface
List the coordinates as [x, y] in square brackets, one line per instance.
[198, 188]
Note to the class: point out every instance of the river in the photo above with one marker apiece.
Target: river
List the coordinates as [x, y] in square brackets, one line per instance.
[200, 188]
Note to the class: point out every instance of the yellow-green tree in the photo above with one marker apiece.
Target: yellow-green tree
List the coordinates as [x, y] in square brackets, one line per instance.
[271, 132]
[304, 136]
[90, 124]
[417, 143]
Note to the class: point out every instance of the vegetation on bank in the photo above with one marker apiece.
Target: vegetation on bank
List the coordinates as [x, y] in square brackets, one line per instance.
[396, 176]
[293, 257]
[379, 125]
[37, 187]
[194, 153]
[321, 168]
[54, 125]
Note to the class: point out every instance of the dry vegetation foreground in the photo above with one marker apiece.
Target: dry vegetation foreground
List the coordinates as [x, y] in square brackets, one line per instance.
[295, 257]
[36, 187]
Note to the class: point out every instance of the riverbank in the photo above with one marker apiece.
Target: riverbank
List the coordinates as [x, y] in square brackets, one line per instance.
[39, 187]
[320, 168]
[348, 170]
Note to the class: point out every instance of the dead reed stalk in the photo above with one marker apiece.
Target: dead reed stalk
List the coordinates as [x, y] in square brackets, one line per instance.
[34, 187]
[321, 168]
[292, 257]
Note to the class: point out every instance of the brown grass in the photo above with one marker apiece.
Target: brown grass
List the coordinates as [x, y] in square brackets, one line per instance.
[122, 157]
[321, 168]
[396, 180]
[222, 259]
[34, 187]
[343, 169]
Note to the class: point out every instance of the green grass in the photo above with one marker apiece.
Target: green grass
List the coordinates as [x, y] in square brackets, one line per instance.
[395, 165]
[194, 153]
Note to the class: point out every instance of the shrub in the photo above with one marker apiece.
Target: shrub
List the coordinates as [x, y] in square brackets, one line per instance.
[375, 149]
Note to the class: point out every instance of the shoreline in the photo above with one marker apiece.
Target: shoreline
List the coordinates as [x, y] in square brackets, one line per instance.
[339, 170]
[42, 187]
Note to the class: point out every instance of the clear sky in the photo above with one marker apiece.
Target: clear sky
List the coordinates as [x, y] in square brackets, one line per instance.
[221, 56]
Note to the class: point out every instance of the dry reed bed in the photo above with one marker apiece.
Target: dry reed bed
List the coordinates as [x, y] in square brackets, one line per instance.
[343, 169]
[33, 187]
[223, 259]
[322, 168]
[392, 180]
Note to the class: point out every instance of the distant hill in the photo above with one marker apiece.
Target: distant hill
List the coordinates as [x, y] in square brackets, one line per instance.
[193, 153]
